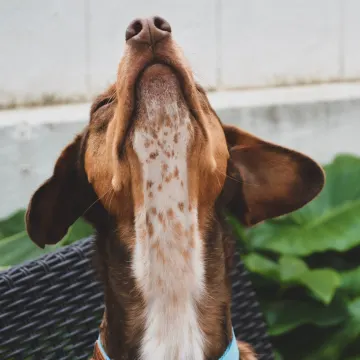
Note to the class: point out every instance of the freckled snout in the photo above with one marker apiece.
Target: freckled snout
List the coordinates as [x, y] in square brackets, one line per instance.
[147, 31]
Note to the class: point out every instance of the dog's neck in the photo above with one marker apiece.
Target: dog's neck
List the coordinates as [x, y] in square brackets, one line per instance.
[125, 327]
[172, 310]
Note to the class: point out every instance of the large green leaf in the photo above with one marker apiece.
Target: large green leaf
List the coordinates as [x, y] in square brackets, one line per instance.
[284, 316]
[291, 268]
[322, 283]
[330, 222]
[342, 186]
[18, 247]
[13, 224]
[261, 265]
[336, 230]
[350, 282]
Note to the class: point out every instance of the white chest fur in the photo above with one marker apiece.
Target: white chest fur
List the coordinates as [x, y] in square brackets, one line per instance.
[168, 260]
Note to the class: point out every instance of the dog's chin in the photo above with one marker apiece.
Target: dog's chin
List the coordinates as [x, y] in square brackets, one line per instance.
[158, 87]
[156, 71]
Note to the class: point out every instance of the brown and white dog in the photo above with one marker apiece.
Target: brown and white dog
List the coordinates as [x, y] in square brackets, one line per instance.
[153, 172]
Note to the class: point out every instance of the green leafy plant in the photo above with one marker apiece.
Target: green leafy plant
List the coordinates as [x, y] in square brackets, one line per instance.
[16, 246]
[306, 269]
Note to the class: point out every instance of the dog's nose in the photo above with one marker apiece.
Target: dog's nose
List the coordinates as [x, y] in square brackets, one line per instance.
[149, 31]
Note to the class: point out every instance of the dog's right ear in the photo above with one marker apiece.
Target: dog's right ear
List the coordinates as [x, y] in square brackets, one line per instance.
[60, 201]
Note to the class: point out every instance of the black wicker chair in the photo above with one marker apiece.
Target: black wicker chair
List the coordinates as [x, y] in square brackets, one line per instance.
[50, 308]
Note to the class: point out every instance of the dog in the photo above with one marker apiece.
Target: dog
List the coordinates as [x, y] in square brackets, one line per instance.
[155, 172]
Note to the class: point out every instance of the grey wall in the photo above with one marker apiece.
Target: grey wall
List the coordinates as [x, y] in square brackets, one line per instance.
[54, 50]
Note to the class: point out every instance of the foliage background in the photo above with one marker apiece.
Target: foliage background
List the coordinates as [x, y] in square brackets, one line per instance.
[305, 267]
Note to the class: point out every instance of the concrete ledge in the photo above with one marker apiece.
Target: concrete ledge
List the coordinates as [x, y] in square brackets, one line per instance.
[318, 120]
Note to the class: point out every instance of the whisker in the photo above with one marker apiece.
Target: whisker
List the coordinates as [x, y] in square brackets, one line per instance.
[102, 196]
[107, 198]
[112, 195]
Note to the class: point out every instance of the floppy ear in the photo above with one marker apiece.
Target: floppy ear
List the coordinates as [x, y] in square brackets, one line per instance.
[60, 201]
[270, 179]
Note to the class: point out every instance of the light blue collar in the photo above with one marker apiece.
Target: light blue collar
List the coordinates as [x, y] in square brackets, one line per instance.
[231, 353]
[103, 353]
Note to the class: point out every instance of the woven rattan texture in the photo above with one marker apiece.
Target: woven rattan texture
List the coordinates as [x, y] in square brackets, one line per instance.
[50, 308]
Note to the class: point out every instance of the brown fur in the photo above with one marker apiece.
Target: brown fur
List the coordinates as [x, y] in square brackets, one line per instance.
[98, 176]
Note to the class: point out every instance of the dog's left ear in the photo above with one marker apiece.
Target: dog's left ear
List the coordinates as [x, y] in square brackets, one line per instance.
[266, 180]
[60, 201]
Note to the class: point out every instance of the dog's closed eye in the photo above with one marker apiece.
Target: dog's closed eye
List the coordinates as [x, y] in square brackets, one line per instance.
[101, 113]
[102, 103]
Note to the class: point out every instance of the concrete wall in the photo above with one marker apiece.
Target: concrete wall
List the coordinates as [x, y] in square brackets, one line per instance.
[54, 50]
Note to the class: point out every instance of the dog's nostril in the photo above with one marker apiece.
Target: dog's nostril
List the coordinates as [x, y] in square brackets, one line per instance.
[162, 24]
[133, 29]
[147, 31]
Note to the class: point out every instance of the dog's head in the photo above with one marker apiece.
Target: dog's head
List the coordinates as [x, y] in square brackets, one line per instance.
[155, 129]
